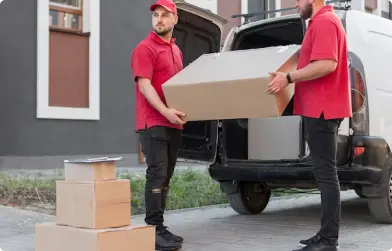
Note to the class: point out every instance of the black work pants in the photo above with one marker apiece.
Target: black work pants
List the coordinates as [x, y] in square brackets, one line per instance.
[321, 137]
[160, 147]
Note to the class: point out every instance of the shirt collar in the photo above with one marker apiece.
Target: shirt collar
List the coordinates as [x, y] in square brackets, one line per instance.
[324, 9]
[158, 39]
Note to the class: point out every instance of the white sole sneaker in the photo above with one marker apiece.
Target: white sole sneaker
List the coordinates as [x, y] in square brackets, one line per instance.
[303, 245]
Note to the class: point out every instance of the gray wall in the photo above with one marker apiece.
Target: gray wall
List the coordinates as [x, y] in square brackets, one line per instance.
[123, 25]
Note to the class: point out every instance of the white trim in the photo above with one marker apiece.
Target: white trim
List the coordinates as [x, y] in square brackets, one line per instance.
[91, 23]
[358, 5]
[378, 10]
[278, 5]
[210, 5]
[244, 9]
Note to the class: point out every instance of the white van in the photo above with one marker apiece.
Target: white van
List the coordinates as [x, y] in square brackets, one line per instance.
[364, 154]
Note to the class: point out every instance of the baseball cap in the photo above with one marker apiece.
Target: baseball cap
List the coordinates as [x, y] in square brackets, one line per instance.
[167, 4]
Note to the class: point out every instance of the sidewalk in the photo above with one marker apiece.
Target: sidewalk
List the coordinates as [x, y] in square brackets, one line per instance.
[279, 228]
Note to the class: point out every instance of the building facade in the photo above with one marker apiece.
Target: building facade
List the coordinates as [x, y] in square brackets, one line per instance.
[66, 87]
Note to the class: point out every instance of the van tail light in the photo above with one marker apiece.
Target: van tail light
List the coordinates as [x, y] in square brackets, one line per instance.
[358, 150]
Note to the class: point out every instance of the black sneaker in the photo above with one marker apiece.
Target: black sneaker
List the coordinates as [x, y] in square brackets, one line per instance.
[313, 240]
[172, 236]
[163, 243]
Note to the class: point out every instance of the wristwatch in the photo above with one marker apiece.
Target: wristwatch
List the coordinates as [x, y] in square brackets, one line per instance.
[289, 78]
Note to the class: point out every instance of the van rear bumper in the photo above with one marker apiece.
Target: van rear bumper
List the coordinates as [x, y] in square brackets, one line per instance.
[355, 174]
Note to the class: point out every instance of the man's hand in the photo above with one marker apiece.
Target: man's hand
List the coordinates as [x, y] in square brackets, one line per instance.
[174, 116]
[278, 83]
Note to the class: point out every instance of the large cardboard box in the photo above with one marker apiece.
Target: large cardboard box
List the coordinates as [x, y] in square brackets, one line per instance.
[101, 204]
[232, 85]
[52, 237]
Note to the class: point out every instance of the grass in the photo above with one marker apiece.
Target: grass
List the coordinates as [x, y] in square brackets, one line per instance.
[188, 189]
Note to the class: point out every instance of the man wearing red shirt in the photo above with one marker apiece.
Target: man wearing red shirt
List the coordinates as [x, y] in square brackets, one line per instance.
[323, 98]
[155, 60]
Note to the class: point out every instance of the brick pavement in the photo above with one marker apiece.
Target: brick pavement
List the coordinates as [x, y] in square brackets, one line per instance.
[279, 228]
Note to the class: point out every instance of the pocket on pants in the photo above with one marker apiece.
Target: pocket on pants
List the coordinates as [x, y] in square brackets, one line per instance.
[159, 133]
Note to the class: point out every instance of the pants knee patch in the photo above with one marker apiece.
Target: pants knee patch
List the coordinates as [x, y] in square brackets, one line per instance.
[156, 190]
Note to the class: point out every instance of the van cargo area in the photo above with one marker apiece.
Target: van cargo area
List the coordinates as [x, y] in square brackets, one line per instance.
[237, 132]
[200, 137]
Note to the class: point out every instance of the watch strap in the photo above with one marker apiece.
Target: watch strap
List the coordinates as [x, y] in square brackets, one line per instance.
[289, 78]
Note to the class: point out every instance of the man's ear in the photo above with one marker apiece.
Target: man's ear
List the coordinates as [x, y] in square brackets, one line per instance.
[175, 19]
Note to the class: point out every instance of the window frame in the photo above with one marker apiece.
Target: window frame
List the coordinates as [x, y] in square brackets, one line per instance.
[68, 9]
[91, 28]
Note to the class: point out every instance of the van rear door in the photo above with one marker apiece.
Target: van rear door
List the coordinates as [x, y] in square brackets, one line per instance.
[198, 32]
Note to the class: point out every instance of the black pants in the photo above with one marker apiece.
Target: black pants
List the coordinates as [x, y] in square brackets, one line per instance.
[321, 137]
[160, 147]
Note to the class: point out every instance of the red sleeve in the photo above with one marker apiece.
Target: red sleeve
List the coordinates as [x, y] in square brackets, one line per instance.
[324, 41]
[142, 62]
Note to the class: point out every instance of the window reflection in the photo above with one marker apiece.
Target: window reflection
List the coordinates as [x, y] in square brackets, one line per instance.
[62, 19]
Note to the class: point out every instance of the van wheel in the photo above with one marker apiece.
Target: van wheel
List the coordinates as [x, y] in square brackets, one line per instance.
[358, 191]
[381, 208]
[252, 198]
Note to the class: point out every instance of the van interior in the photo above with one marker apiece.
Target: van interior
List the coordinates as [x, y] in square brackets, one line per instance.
[282, 33]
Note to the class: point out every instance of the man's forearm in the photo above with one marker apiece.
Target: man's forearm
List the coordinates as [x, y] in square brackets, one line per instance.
[152, 97]
[314, 70]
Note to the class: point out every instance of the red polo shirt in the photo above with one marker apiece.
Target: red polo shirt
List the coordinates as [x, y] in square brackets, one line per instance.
[157, 60]
[324, 39]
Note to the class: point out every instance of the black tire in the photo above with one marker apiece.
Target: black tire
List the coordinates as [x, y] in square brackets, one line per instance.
[252, 198]
[381, 208]
[358, 191]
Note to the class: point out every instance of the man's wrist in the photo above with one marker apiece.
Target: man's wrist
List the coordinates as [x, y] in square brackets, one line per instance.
[163, 110]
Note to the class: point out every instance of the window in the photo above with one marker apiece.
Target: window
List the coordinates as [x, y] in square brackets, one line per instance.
[66, 14]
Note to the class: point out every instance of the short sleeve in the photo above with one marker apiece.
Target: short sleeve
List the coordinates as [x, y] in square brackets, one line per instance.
[325, 39]
[142, 62]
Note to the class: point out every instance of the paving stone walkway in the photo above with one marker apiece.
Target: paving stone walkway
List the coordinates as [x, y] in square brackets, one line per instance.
[279, 228]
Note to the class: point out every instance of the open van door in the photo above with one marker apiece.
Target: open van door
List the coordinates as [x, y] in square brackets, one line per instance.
[198, 32]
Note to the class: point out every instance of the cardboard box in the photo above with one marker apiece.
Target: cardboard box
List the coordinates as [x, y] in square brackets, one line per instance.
[264, 132]
[52, 237]
[232, 85]
[99, 169]
[101, 204]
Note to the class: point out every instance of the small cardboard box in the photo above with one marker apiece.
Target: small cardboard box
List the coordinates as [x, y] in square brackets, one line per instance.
[52, 237]
[232, 85]
[101, 204]
[97, 169]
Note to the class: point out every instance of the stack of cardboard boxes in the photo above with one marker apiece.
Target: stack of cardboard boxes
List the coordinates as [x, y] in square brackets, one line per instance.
[93, 212]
